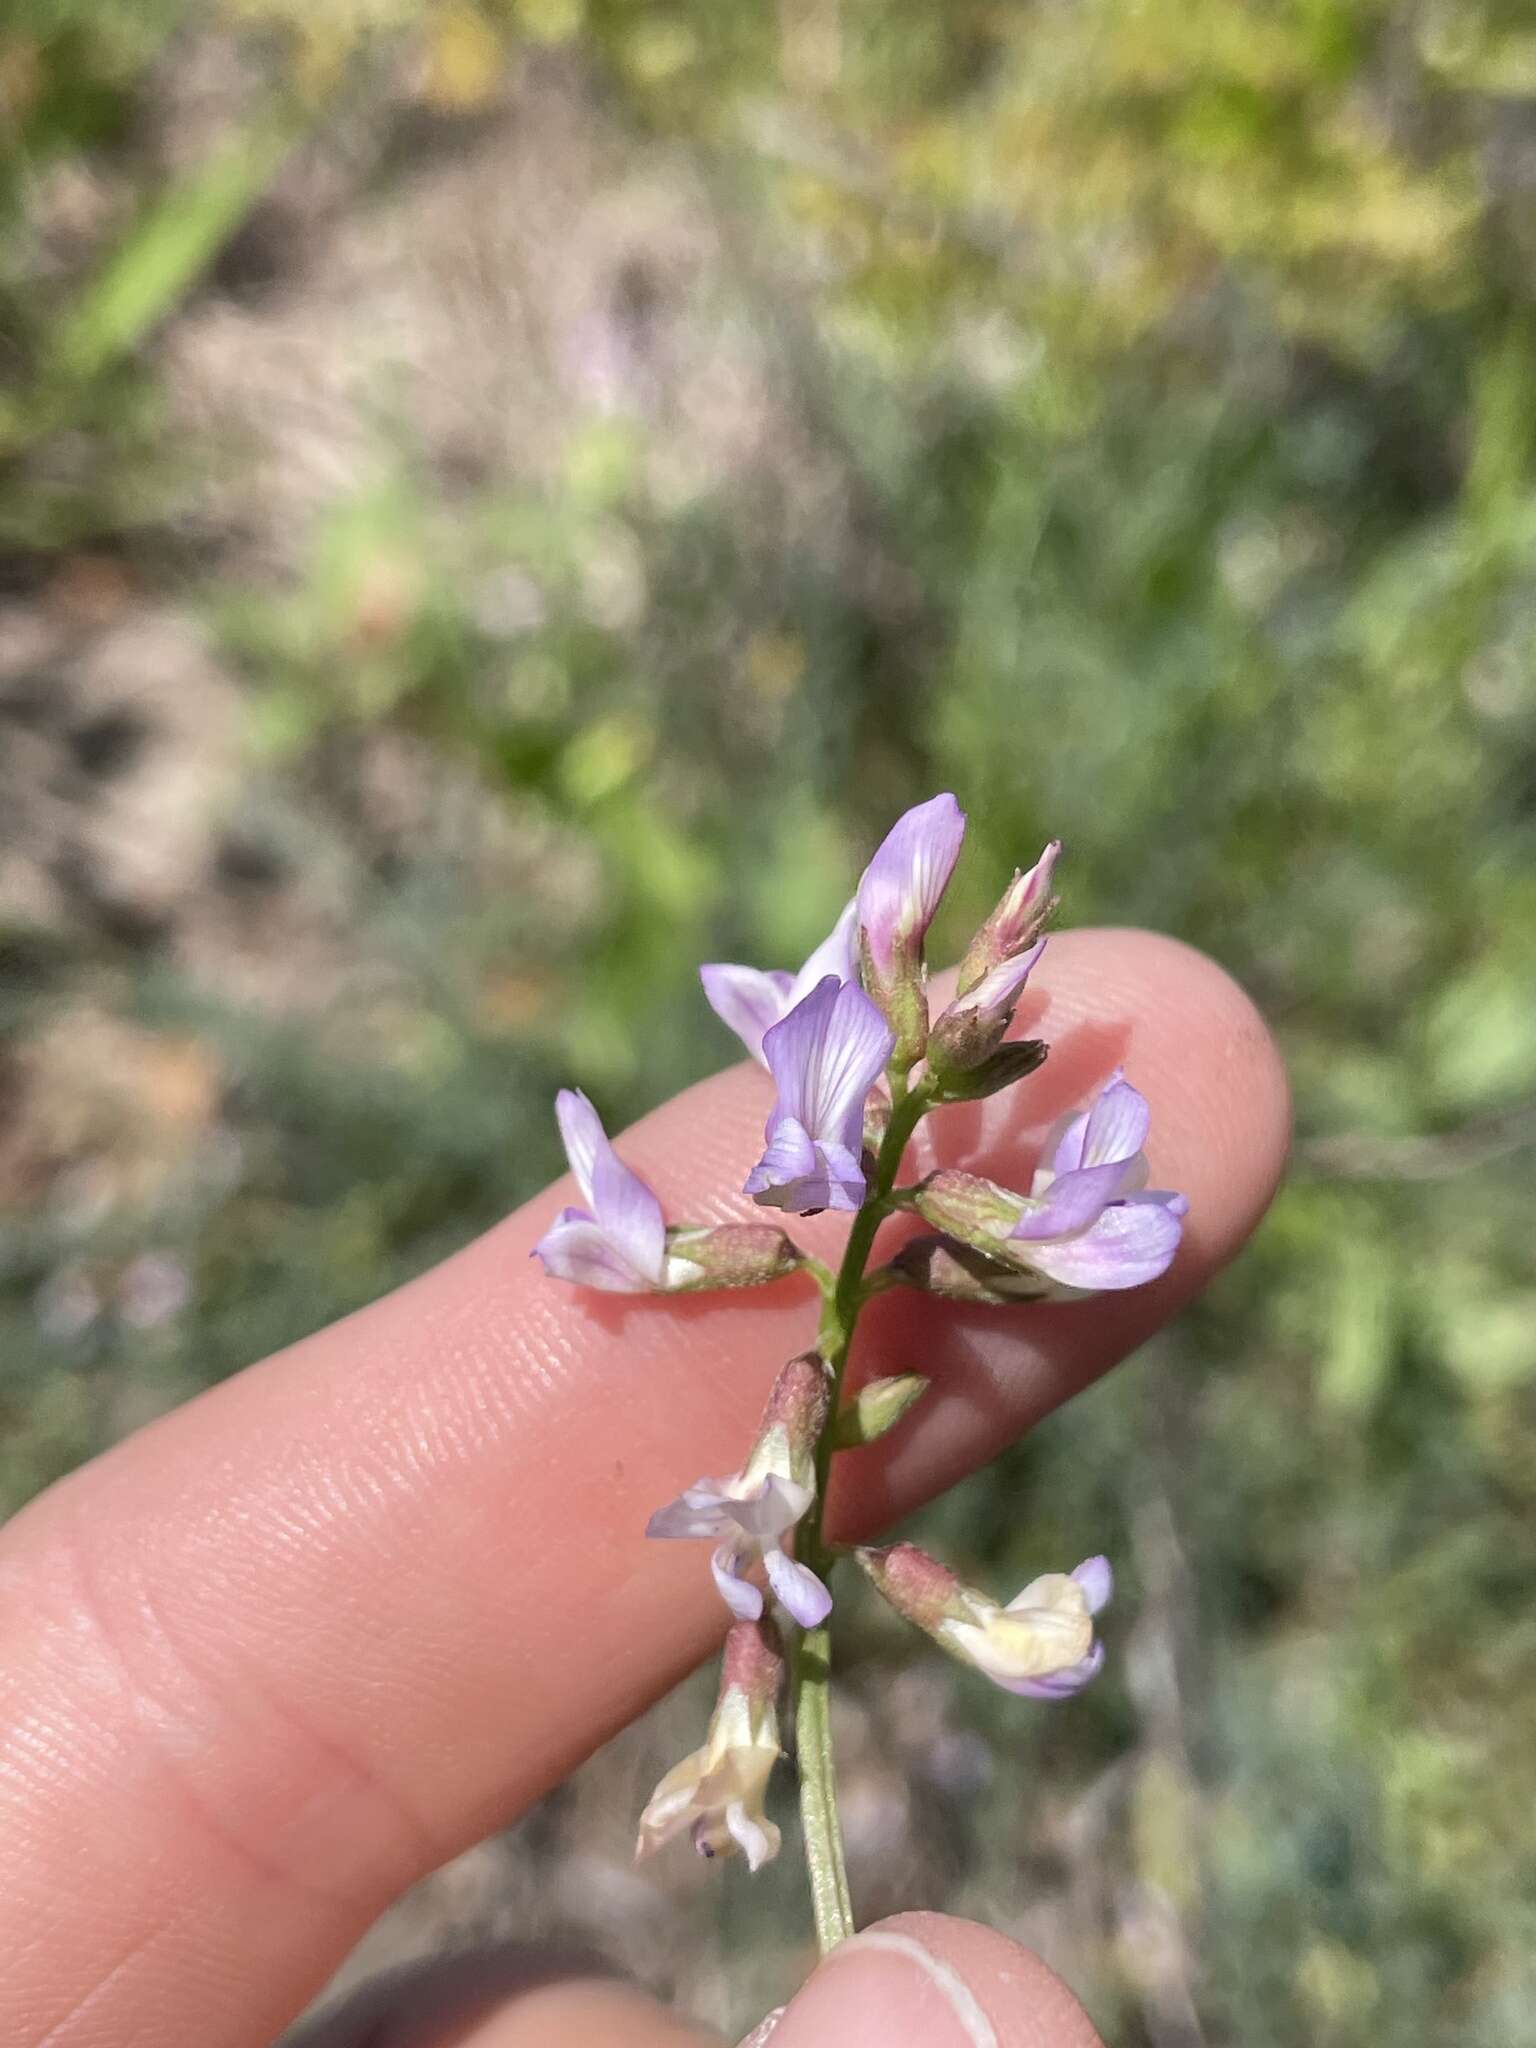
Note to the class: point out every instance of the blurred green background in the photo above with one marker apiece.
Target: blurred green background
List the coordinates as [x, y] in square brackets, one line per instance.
[501, 502]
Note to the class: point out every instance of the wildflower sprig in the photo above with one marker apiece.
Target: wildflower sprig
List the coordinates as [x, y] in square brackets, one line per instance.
[857, 1060]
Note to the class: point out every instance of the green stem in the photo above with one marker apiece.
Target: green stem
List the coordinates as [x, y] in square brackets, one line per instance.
[812, 1679]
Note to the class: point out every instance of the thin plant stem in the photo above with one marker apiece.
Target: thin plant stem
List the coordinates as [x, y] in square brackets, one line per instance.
[842, 1302]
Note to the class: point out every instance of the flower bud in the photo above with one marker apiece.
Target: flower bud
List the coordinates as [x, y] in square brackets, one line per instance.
[916, 1585]
[937, 1265]
[876, 1408]
[1016, 923]
[717, 1795]
[730, 1255]
[793, 1419]
[898, 895]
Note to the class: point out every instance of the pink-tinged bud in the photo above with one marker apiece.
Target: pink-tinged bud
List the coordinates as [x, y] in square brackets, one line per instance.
[730, 1255]
[1015, 924]
[898, 895]
[977, 1211]
[793, 1419]
[972, 1029]
[876, 1409]
[752, 1662]
[1040, 1645]
[956, 1272]
[717, 1795]
[916, 1585]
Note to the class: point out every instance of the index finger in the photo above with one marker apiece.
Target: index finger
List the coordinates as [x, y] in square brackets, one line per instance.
[292, 1646]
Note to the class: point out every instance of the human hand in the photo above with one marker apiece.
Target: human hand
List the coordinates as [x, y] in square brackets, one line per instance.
[284, 1651]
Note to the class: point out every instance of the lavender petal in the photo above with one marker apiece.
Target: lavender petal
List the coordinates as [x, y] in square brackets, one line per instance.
[630, 1216]
[1097, 1580]
[746, 999]
[743, 1598]
[1132, 1242]
[581, 1129]
[838, 954]
[579, 1251]
[797, 1588]
[1071, 1203]
[900, 889]
[1059, 1685]
[1117, 1124]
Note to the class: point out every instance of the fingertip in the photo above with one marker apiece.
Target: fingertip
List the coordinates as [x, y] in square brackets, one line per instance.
[931, 1982]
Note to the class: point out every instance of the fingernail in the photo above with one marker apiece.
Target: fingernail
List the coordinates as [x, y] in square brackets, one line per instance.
[882, 1988]
[761, 2033]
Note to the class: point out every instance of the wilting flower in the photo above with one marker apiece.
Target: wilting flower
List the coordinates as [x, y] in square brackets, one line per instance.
[1041, 1644]
[717, 1794]
[751, 1000]
[898, 895]
[749, 1514]
[1015, 924]
[1088, 1223]
[825, 1056]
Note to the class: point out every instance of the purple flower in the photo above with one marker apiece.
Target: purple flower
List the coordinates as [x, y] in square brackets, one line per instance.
[748, 1514]
[1087, 1224]
[751, 1000]
[618, 1242]
[901, 887]
[825, 1056]
[1090, 1222]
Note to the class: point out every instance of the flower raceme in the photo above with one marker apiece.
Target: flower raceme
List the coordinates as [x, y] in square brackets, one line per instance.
[750, 1513]
[1041, 1644]
[716, 1795]
[856, 1063]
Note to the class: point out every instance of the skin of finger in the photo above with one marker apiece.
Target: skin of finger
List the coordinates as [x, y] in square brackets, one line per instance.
[425, 2011]
[337, 1618]
[595, 2017]
[929, 1982]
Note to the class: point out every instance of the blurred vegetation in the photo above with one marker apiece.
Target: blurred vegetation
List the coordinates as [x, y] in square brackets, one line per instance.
[566, 472]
